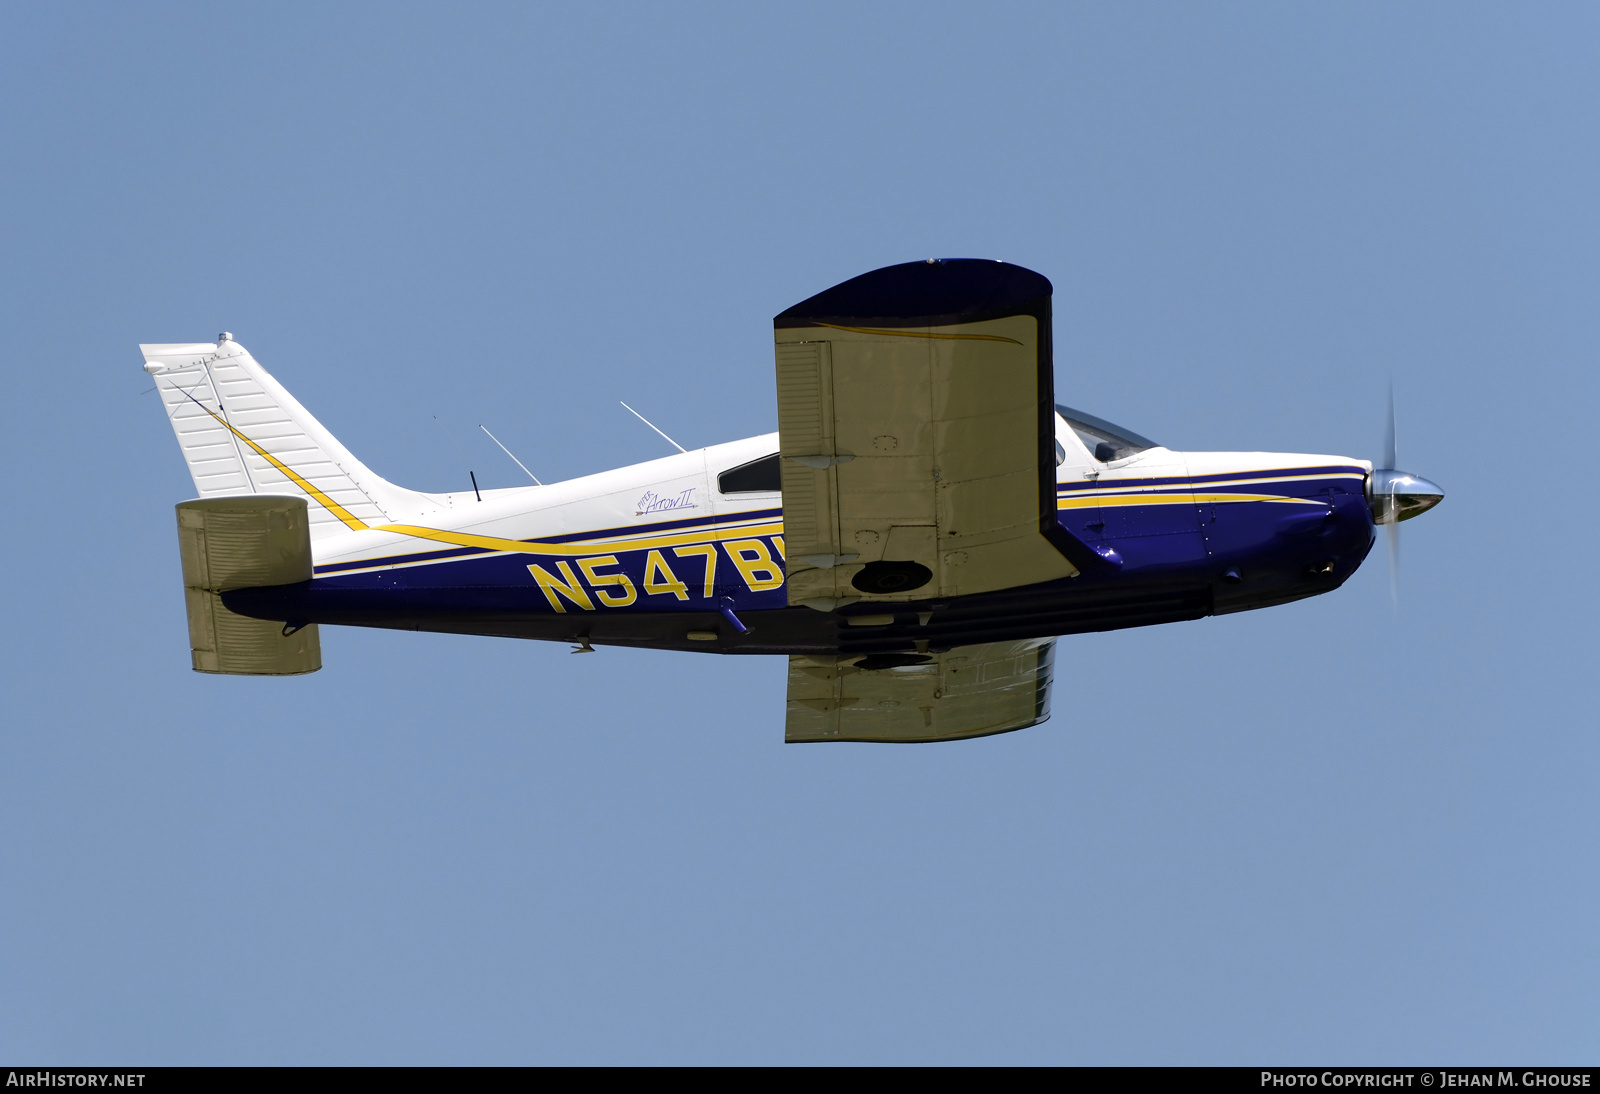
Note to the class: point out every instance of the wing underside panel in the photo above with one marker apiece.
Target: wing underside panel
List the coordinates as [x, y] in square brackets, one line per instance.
[916, 443]
[968, 691]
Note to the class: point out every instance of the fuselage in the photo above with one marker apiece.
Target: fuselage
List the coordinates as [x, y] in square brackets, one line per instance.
[678, 553]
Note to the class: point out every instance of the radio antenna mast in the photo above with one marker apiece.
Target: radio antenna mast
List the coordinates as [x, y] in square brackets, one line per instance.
[651, 424]
[514, 460]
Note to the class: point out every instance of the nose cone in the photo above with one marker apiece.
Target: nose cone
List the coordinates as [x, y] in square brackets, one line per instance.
[1400, 495]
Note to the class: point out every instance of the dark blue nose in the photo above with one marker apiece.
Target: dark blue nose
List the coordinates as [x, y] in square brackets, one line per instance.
[1272, 552]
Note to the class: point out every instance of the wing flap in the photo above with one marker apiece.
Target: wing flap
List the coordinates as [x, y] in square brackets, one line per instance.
[805, 448]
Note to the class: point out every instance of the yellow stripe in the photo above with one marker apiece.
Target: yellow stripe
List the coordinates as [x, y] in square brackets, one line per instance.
[350, 519]
[517, 546]
[1124, 499]
[920, 334]
[1257, 497]
[1093, 501]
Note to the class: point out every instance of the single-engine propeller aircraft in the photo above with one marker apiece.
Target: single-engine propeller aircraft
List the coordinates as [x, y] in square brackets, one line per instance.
[924, 524]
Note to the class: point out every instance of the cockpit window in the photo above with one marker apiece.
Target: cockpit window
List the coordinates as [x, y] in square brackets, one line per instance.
[1108, 442]
[757, 477]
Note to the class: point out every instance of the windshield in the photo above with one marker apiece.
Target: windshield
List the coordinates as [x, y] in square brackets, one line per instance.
[1108, 442]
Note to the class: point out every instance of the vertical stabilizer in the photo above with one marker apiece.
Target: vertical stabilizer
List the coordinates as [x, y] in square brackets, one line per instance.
[242, 433]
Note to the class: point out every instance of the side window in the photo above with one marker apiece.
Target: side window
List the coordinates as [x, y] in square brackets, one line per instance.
[757, 477]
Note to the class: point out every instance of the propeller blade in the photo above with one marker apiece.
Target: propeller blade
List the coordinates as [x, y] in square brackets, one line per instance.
[1396, 495]
[1389, 506]
[1392, 533]
[1390, 460]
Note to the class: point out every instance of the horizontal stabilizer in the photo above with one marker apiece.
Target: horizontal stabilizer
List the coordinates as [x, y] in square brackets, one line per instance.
[238, 543]
[969, 691]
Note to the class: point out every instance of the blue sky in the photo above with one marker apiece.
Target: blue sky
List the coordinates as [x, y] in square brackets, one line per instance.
[1326, 832]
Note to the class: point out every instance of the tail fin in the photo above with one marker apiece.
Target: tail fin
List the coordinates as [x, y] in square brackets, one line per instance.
[242, 433]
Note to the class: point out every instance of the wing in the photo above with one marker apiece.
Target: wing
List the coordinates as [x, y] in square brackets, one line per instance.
[969, 691]
[916, 425]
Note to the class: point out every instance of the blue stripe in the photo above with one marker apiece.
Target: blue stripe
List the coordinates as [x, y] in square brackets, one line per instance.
[1204, 480]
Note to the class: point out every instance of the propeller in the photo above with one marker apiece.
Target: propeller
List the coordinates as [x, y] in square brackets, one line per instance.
[1396, 495]
[1390, 520]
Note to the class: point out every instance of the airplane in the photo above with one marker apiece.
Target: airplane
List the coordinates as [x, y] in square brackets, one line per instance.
[924, 525]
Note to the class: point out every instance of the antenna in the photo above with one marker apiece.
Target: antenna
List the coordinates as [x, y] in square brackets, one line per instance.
[514, 460]
[651, 424]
